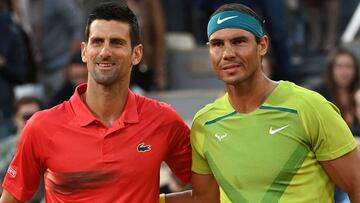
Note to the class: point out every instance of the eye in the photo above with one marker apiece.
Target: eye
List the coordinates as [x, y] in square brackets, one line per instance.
[216, 44]
[117, 42]
[96, 41]
[239, 41]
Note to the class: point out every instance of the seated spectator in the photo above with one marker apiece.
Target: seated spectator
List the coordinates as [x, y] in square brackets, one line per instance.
[322, 39]
[341, 80]
[150, 74]
[24, 109]
[14, 64]
[76, 73]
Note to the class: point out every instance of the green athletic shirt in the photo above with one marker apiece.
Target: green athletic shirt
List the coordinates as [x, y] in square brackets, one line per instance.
[271, 154]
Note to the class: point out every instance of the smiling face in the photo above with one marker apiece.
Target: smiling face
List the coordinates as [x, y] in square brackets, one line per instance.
[235, 55]
[108, 52]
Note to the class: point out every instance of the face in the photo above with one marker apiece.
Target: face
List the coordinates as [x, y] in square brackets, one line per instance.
[235, 55]
[108, 52]
[343, 70]
[24, 113]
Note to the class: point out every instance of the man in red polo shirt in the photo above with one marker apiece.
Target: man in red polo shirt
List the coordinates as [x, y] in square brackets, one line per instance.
[105, 144]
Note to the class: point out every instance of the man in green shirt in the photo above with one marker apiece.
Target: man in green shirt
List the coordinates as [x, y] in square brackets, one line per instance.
[265, 141]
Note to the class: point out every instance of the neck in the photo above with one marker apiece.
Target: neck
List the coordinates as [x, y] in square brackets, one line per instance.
[248, 96]
[106, 103]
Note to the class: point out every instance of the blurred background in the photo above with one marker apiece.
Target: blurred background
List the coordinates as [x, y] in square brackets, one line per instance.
[315, 44]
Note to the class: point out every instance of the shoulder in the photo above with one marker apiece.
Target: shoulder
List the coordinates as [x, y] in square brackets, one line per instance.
[220, 107]
[302, 99]
[56, 114]
[151, 107]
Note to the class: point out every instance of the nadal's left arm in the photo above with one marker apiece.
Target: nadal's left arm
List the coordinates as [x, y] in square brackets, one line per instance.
[345, 172]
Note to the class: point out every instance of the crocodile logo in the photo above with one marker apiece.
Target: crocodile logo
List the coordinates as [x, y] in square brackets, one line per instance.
[143, 148]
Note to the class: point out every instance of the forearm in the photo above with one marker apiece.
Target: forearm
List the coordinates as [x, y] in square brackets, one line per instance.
[8, 198]
[354, 192]
[189, 197]
[180, 197]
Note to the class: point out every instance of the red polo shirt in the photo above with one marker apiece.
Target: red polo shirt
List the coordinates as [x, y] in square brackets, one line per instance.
[84, 161]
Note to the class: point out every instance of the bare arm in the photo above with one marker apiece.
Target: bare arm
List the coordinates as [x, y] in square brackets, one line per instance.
[345, 172]
[205, 189]
[8, 198]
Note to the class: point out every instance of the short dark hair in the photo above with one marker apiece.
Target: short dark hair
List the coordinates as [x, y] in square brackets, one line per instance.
[242, 8]
[115, 11]
[27, 100]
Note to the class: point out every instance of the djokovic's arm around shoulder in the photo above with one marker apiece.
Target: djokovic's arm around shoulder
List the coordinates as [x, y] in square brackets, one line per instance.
[345, 172]
[6, 197]
[204, 190]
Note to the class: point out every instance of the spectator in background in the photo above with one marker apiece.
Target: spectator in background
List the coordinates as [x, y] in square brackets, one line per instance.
[14, 64]
[55, 30]
[76, 73]
[341, 80]
[24, 109]
[316, 10]
[151, 72]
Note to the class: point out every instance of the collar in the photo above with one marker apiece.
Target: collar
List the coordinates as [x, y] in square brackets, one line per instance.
[85, 117]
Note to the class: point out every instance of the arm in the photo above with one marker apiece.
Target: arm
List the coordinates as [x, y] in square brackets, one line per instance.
[345, 172]
[205, 189]
[8, 198]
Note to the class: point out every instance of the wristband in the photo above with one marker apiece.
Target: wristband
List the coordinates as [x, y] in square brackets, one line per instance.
[162, 198]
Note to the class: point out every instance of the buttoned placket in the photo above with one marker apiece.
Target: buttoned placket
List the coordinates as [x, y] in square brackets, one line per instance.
[107, 144]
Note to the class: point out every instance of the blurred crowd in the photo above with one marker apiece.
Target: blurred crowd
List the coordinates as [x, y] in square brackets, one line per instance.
[40, 57]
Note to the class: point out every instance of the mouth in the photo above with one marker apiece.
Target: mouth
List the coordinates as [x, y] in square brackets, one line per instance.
[229, 66]
[105, 66]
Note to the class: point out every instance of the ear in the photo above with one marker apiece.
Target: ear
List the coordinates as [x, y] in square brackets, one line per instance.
[264, 45]
[137, 54]
[83, 51]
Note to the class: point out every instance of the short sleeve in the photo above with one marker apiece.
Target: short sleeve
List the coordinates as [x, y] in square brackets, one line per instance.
[329, 135]
[179, 155]
[23, 175]
[199, 162]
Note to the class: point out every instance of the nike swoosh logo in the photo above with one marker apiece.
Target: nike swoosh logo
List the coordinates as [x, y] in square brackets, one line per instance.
[273, 131]
[219, 21]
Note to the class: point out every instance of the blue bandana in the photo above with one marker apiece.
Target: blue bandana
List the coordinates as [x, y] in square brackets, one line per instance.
[234, 19]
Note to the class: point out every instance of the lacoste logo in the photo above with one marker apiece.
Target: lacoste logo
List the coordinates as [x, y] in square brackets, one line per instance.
[220, 137]
[11, 172]
[273, 131]
[219, 21]
[143, 148]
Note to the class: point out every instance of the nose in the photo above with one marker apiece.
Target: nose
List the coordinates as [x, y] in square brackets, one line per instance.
[105, 51]
[229, 52]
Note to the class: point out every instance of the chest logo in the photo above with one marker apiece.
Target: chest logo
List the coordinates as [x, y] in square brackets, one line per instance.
[220, 137]
[274, 131]
[143, 148]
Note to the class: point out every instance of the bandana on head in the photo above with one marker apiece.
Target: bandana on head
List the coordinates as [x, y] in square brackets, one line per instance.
[234, 19]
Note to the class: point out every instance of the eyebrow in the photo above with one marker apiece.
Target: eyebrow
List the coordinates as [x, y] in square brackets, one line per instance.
[232, 39]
